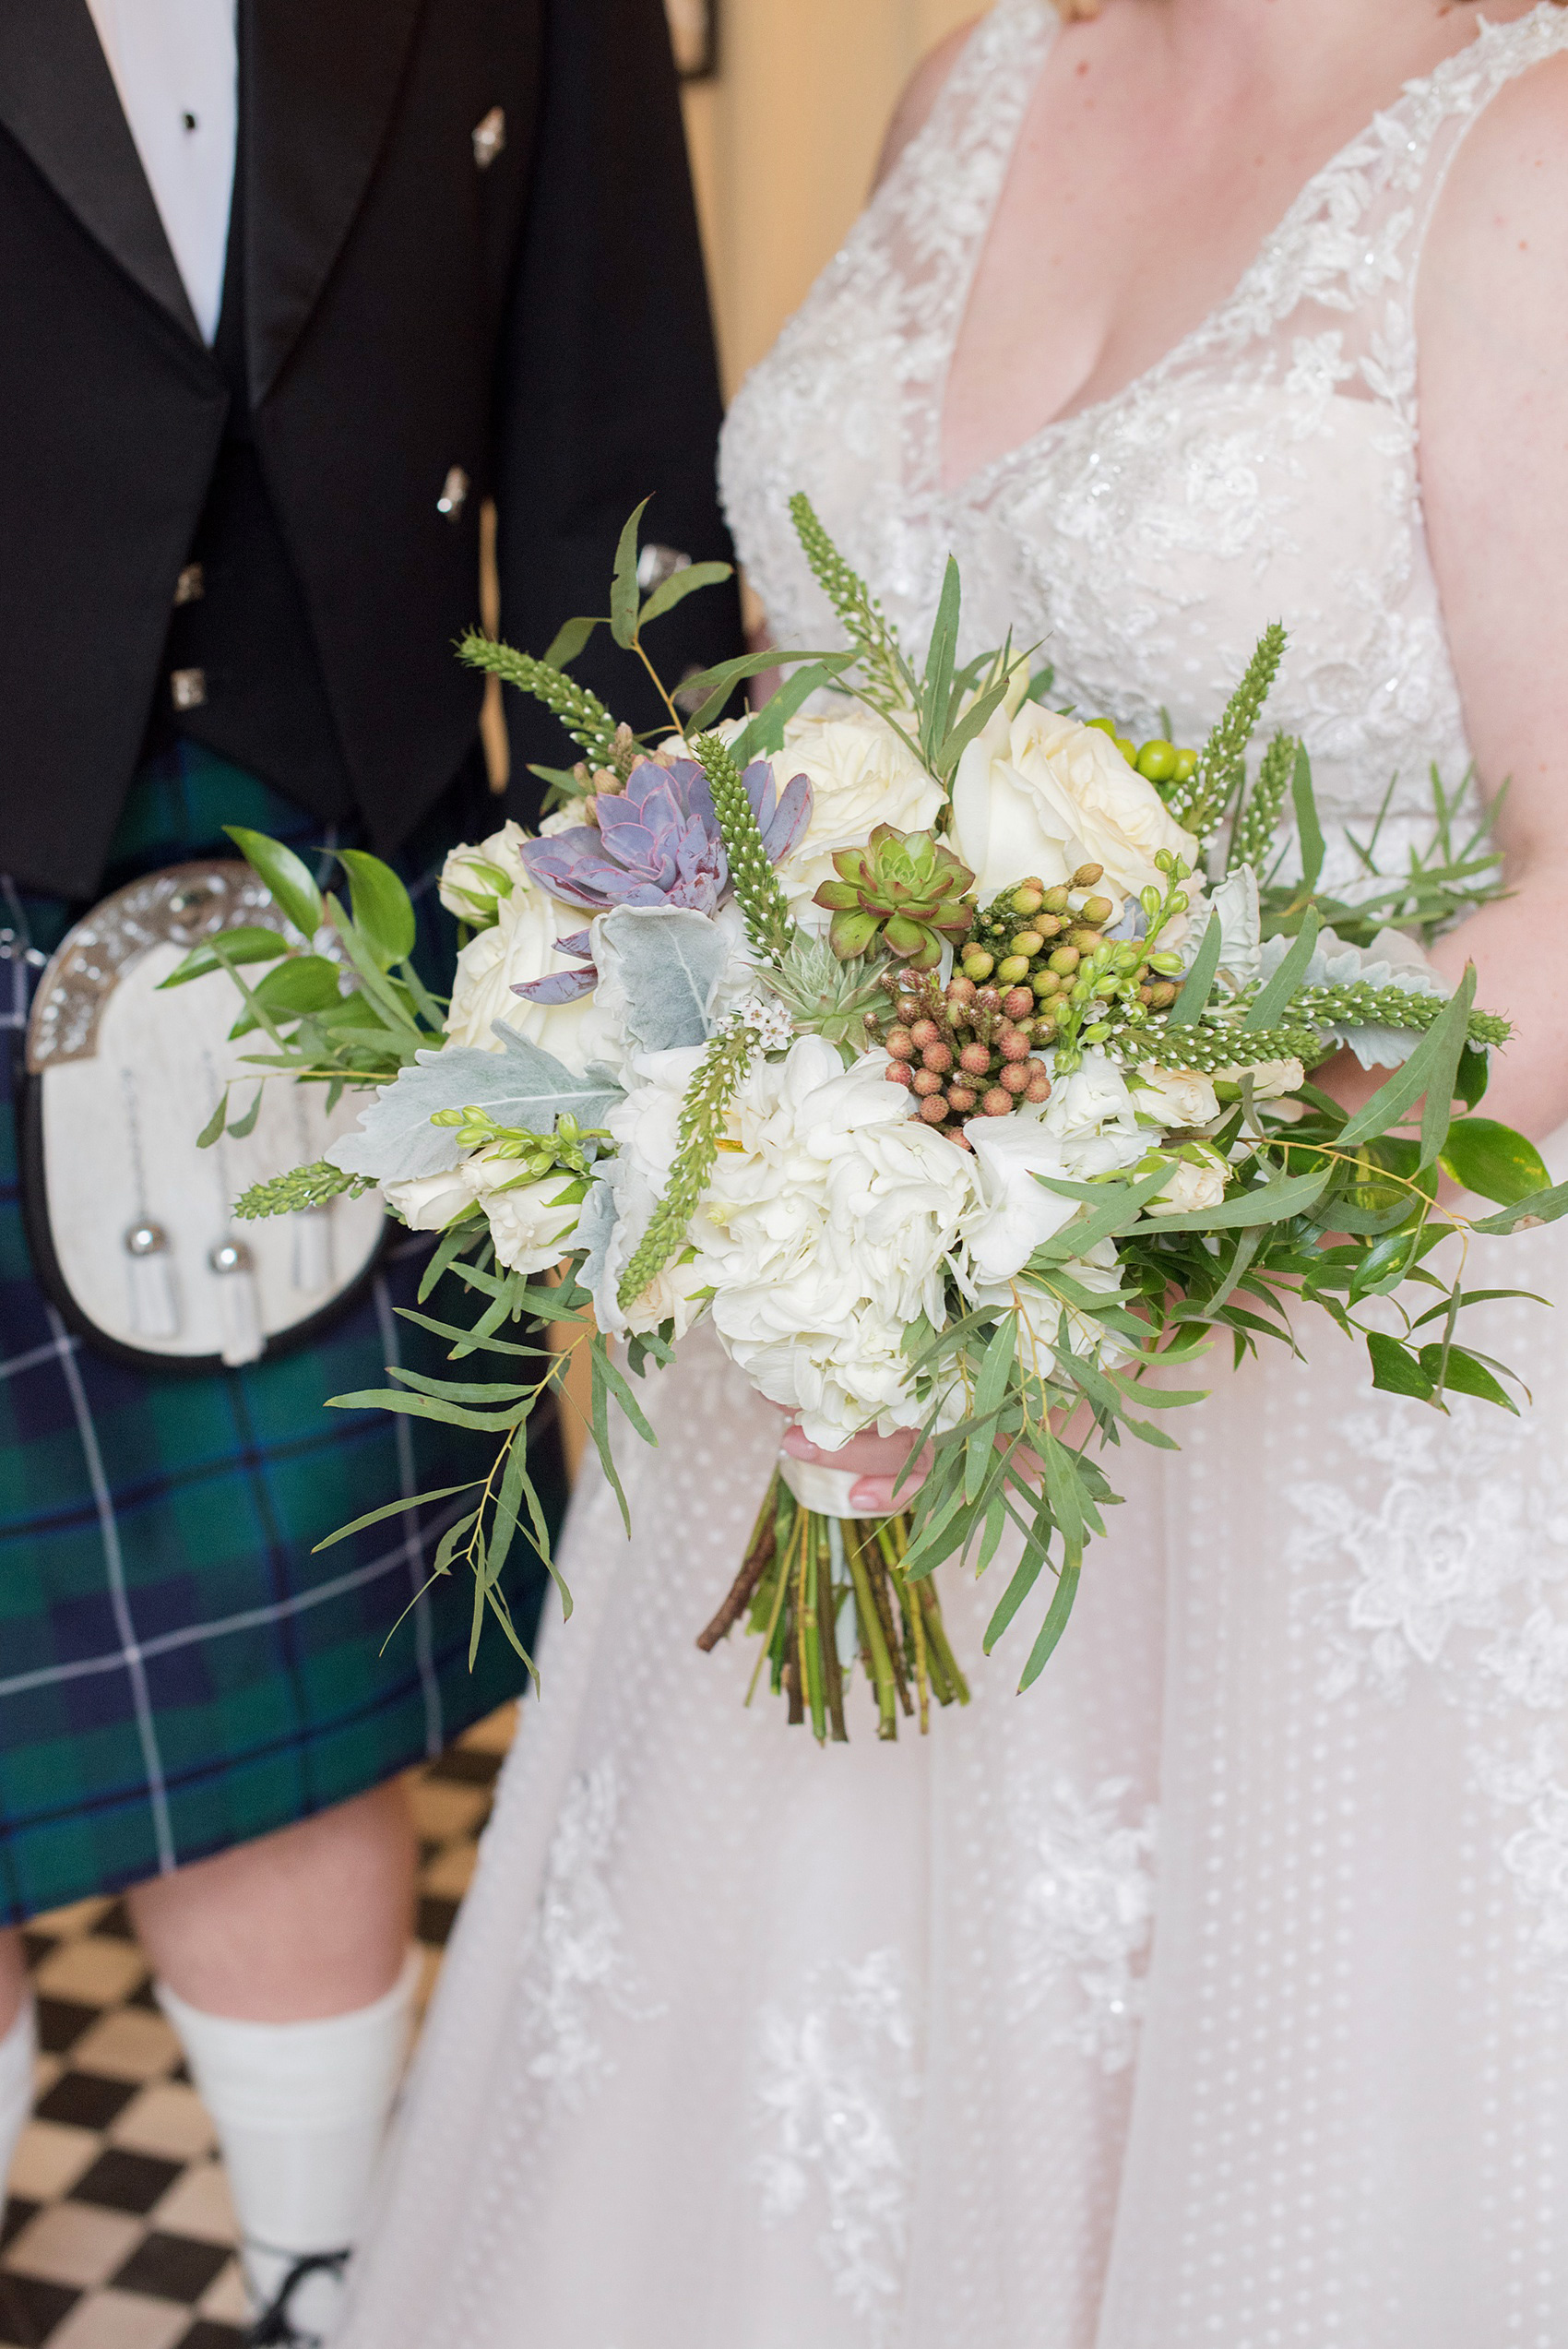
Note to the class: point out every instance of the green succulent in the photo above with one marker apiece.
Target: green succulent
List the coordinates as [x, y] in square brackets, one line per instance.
[904, 888]
[824, 996]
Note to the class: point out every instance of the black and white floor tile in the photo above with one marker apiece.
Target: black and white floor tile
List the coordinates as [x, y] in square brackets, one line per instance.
[118, 2232]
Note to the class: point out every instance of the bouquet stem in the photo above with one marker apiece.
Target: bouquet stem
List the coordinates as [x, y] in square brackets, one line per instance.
[820, 1591]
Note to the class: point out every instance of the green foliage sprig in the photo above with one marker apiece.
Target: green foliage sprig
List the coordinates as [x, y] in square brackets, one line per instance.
[888, 683]
[583, 715]
[1221, 772]
[296, 1193]
[1254, 839]
[757, 889]
[1358, 1005]
[703, 1113]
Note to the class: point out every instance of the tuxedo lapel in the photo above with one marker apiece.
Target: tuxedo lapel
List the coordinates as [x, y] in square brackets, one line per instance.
[318, 84]
[58, 100]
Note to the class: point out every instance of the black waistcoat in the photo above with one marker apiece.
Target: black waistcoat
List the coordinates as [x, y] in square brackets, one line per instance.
[469, 270]
[241, 670]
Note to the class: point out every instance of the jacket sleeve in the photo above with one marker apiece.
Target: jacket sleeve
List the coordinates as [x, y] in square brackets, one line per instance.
[610, 386]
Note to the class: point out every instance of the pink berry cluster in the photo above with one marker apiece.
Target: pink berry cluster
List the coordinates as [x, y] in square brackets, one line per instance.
[965, 1049]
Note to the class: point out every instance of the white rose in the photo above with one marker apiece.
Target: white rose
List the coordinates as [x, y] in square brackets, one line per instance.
[1176, 1097]
[473, 880]
[531, 1224]
[1272, 1080]
[521, 946]
[1197, 1182]
[1100, 1272]
[861, 774]
[429, 1202]
[1038, 795]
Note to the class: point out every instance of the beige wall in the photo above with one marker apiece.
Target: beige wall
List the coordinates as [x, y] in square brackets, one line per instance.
[785, 140]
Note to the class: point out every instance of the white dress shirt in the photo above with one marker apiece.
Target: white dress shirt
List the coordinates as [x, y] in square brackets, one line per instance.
[176, 68]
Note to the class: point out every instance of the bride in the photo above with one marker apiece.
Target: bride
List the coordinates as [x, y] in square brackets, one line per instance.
[1215, 1992]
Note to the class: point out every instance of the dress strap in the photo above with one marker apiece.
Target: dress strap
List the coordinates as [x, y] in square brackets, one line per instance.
[1498, 56]
[1348, 255]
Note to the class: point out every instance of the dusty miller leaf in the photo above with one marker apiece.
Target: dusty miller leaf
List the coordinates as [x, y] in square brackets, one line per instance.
[520, 1085]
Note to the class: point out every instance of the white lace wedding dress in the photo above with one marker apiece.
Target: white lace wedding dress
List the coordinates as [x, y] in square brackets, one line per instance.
[1217, 1992]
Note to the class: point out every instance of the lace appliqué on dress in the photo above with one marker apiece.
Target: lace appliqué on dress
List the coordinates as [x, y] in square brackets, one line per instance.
[838, 2091]
[578, 1958]
[1459, 1572]
[1088, 1915]
[1266, 465]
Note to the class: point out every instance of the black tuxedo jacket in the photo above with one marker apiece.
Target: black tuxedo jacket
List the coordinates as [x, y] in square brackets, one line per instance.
[408, 311]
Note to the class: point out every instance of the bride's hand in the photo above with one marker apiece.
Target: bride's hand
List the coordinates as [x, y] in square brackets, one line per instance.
[878, 1460]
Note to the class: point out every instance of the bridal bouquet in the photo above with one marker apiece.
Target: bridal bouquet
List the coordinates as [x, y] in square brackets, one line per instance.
[950, 1054]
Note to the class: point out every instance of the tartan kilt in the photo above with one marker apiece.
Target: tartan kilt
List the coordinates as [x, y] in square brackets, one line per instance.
[178, 1672]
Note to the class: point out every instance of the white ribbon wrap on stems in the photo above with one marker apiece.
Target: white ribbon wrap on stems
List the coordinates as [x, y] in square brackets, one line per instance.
[826, 1490]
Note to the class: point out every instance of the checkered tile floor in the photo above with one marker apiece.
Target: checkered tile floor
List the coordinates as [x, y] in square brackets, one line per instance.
[118, 2232]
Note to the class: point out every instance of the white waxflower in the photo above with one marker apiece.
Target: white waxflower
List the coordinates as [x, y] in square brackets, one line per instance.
[520, 947]
[861, 774]
[1038, 795]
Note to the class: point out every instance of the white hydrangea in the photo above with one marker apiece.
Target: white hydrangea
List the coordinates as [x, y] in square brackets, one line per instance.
[826, 1230]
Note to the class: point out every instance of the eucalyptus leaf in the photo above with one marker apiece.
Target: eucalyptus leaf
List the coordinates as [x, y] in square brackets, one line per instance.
[1271, 1000]
[1394, 1370]
[1400, 1093]
[1275, 1202]
[1309, 830]
[764, 736]
[569, 644]
[1198, 986]
[1501, 1164]
[624, 592]
[679, 585]
[1540, 1206]
[1459, 1372]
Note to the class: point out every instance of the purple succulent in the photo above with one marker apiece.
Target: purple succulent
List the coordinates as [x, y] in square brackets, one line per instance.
[657, 842]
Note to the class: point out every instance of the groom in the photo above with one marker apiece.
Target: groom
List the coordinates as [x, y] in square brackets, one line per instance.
[291, 289]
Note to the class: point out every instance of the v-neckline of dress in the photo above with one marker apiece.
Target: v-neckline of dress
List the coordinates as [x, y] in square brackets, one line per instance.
[1213, 321]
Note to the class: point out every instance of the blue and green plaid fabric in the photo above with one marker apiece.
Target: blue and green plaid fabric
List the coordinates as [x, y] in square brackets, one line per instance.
[178, 1672]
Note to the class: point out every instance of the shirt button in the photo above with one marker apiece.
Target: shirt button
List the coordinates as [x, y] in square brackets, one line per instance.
[191, 585]
[187, 688]
[489, 138]
[454, 494]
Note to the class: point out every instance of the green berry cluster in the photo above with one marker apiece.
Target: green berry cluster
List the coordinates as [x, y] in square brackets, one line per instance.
[1052, 942]
[1157, 761]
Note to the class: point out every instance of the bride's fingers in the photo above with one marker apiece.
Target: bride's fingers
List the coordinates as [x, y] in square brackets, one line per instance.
[875, 1455]
[872, 1496]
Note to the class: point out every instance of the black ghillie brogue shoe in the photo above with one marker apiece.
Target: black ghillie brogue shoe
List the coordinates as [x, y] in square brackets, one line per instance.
[275, 2328]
